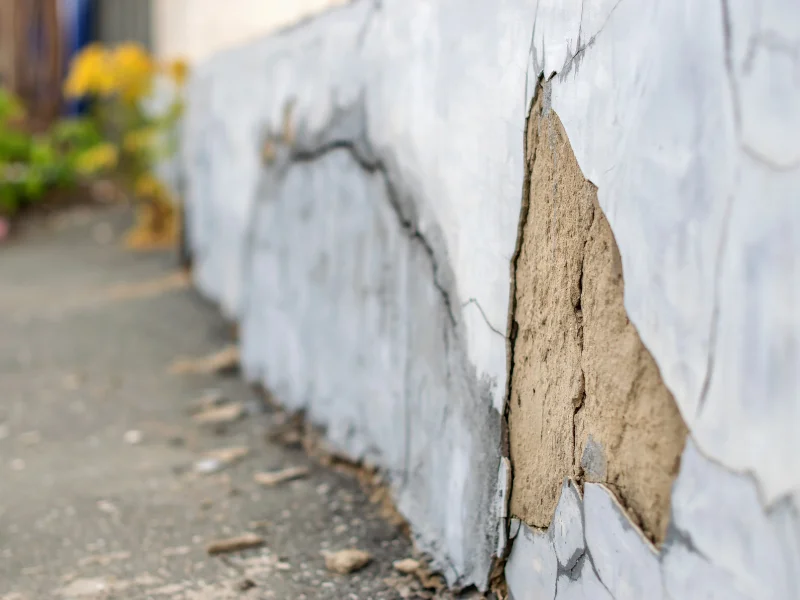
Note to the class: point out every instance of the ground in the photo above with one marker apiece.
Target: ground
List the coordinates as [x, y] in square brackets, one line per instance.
[100, 494]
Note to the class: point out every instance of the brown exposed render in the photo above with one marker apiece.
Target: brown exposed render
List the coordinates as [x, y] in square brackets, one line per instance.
[586, 397]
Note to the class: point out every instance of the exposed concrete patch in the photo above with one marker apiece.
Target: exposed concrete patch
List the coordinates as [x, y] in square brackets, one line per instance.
[587, 400]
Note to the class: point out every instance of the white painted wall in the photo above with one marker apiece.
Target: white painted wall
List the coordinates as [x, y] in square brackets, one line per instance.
[369, 263]
[196, 29]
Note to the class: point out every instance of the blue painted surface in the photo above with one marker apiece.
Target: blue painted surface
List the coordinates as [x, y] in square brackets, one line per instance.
[78, 20]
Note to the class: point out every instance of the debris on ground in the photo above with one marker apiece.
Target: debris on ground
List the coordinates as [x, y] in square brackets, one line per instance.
[104, 560]
[418, 582]
[220, 415]
[219, 459]
[133, 437]
[210, 399]
[245, 584]
[287, 430]
[407, 566]
[273, 478]
[223, 361]
[235, 544]
[348, 561]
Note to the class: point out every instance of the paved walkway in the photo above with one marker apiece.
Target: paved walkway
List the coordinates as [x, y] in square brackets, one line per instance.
[100, 494]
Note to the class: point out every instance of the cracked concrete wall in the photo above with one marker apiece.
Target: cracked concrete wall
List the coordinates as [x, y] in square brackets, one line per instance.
[335, 242]
[365, 251]
[663, 104]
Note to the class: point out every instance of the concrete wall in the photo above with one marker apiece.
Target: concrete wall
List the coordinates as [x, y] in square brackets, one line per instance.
[196, 29]
[354, 191]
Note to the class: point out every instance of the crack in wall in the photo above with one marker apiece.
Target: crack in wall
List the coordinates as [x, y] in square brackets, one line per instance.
[376, 166]
[474, 302]
[733, 84]
[713, 333]
[574, 59]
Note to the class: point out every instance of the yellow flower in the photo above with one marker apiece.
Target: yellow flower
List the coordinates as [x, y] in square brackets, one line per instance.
[97, 158]
[90, 73]
[133, 71]
[178, 70]
[139, 139]
[148, 186]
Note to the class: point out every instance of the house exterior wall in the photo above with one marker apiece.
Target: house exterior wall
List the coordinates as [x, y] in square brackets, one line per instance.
[196, 29]
[356, 196]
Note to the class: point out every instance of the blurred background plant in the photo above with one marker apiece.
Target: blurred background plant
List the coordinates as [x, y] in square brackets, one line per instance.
[32, 164]
[120, 82]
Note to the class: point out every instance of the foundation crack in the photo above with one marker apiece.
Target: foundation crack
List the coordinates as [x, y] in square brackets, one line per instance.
[483, 314]
[373, 167]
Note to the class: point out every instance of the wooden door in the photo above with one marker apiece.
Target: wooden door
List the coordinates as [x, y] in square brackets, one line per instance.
[31, 56]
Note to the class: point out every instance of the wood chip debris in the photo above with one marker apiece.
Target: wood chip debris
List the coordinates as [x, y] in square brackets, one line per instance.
[348, 561]
[226, 360]
[419, 580]
[235, 544]
[274, 478]
[210, 399]
[220, 415]
[219, 459]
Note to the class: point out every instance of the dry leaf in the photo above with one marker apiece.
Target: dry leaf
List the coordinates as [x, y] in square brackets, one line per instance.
[242, 542]
[344, 562]
[220, 415]
[282, 476]
[226, 359]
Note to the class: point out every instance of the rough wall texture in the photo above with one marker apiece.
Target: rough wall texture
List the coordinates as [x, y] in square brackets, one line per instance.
[366, 255]
[587, 400]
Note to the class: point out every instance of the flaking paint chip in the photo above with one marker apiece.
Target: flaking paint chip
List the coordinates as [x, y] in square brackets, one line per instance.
[273, 478]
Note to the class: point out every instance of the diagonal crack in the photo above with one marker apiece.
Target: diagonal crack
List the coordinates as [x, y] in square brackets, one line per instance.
[483, 314]
[376, 166]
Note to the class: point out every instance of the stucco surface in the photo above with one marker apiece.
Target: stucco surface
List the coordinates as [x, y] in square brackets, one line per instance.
[368, 258]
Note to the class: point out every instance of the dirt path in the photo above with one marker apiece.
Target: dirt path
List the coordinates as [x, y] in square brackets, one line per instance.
[103, 489]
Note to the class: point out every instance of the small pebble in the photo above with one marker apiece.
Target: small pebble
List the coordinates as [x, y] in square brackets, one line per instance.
[133, 437]
[348, 561]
